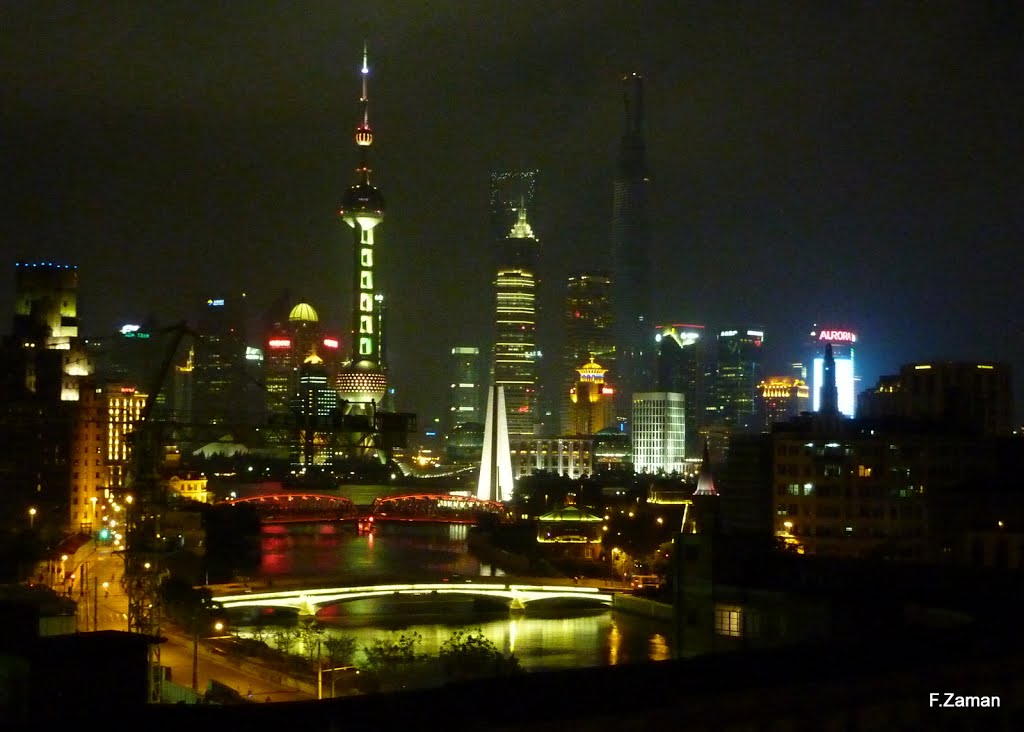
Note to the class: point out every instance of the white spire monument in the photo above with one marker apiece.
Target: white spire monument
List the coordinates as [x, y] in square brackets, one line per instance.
[495, 482]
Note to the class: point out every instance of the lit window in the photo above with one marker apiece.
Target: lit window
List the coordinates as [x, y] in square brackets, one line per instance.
[737, 622]
[728, 621]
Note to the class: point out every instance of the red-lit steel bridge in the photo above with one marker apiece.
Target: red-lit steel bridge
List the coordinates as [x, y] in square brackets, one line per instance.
[420, 507]
[433, 508]
[297, 507]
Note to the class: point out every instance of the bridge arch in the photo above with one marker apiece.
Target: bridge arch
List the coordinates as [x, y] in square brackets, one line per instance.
[309, 601]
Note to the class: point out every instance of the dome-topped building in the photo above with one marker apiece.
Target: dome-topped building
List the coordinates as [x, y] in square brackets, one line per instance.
[303, 312]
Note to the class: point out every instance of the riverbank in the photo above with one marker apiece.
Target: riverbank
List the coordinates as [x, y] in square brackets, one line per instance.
[480, 546]
[493, 550]
[643, 607]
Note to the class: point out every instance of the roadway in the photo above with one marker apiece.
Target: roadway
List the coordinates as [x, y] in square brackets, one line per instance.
[106, 608]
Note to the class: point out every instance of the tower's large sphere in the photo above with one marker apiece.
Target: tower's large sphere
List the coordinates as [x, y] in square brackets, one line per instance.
[362, 381]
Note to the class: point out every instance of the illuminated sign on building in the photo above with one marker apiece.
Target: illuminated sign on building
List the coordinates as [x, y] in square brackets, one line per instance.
[837, 336]
[331, 343]
[279, 343]
[218, 303]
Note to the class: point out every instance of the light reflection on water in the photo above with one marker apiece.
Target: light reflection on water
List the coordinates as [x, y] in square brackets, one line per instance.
[541, 639]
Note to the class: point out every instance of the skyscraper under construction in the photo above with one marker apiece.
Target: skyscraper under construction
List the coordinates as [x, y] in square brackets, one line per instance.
[631, 249]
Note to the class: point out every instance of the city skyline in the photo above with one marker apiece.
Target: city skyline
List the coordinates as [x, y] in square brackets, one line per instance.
[857, 168]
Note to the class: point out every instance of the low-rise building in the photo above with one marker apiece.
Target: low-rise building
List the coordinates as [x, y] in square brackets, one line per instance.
[569, 531]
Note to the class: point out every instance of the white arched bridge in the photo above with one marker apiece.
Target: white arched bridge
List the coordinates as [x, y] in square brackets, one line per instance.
[309, 601]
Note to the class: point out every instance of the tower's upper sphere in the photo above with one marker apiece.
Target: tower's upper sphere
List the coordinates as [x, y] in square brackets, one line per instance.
[364, 135]
[363, 203]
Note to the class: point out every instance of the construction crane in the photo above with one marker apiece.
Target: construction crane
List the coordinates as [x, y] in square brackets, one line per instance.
[145, 503]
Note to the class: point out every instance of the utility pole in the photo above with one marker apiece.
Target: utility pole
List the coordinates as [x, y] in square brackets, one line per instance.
[195, 652]
[319, 673]
[95, 603]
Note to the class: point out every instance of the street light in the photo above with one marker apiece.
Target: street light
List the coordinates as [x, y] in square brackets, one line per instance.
[32, 517]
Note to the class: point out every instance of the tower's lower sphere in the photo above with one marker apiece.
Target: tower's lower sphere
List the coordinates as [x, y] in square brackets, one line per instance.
[362, 381]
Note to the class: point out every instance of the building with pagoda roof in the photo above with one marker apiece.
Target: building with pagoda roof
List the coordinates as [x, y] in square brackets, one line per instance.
[591, 401]
[569, 531]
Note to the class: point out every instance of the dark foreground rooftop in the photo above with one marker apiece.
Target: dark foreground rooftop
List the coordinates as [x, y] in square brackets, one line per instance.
[878, 683]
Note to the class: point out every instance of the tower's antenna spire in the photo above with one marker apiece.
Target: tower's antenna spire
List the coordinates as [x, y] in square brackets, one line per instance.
[364, 135]
[365, 99]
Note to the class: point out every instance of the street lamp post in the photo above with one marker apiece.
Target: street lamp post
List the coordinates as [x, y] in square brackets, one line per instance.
[32, 518]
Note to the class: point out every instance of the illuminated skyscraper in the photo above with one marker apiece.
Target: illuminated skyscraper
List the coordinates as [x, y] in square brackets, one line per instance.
[737, 375]
[588, 332]
[45, 330]
[221, 378]
[679, 368]
[101, 449]
[515, 343]
[314, 404]
[842, 342]
[780, 398]
[362, 382]
[631, 247]
[46, 303]
[510, 191]
[658, 432]
[287, 346]
[467, 387]
[591, 401]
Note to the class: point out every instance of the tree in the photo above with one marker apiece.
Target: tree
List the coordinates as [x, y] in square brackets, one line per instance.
[473, 655]
[310, 632]
[284, 639]
[393, 661]
[341, 650]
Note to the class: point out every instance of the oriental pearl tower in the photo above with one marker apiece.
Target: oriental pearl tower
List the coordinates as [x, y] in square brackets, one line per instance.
[362, 382]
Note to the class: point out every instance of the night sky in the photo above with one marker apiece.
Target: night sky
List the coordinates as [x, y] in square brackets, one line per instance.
[855, 164]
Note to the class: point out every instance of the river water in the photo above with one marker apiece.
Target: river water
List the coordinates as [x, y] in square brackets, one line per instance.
[552, 638]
